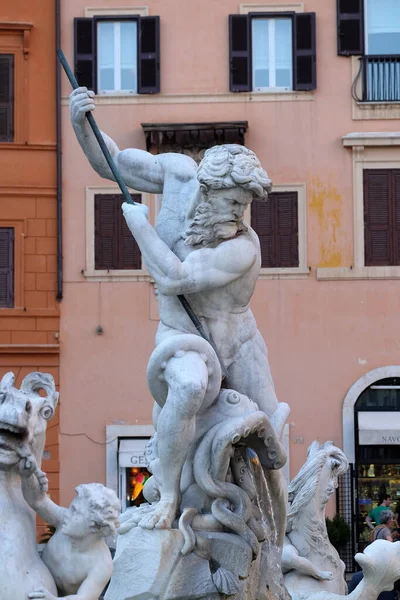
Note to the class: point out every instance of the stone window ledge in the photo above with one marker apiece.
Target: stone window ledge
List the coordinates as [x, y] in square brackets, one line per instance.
[289, 273]
[343, 273]
[228, 98]
[117, 275]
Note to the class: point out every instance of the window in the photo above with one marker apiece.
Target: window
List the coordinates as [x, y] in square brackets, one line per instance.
[272, 55]
[6, 267]
[277, 226]
[272, 52]
[118, 54]
[382, 217]
[6, 97]
[115, 247]
[371, 28]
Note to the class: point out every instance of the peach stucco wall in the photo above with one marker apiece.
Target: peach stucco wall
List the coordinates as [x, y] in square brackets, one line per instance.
[322, 336]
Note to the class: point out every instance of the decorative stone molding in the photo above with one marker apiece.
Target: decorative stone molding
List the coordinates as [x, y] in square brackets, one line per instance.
[23, 28]
[245, 9]
[92, 11]
[192, 139]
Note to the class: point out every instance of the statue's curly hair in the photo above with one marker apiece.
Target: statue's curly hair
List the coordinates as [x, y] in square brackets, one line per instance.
[231, 165]
[102, 502]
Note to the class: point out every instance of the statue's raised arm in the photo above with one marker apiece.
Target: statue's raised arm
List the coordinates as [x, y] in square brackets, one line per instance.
[140, 170]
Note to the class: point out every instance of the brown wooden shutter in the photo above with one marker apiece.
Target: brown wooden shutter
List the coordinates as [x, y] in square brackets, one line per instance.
[350, 27]
[239, 53]
[6, 267]
[6, 97]
[115, 247]
[378, 237]
[261, 222]
[304, 52]
[396, 211]
[276, 224]
[85, 52]
[149, 55]
[286, 223]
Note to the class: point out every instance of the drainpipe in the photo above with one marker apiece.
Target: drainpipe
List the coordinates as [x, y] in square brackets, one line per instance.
[59, 162]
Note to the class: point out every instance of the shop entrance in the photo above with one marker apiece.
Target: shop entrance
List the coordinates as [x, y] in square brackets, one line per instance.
[377, 452]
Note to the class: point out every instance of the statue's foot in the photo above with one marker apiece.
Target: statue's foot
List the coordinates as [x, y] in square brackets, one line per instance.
[161, 517]
[325, 575]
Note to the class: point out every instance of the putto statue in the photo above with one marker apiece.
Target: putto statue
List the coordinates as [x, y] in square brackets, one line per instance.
[202, 248]
[76, 555]
[309, 559]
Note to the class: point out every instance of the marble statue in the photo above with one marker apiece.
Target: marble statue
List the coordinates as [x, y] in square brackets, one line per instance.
[202, 248]
[309, 561]
[380, 563]
[23, 421]
[76, 555]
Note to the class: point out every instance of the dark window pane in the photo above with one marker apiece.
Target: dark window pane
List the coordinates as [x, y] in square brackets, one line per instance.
[6, 97]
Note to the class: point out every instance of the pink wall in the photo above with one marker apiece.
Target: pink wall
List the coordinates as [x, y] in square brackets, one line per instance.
[318, 333]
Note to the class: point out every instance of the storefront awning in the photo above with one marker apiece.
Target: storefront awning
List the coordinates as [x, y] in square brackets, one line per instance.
[379, 428]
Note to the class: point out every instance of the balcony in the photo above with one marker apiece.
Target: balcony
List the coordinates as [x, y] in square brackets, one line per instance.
[379, 76]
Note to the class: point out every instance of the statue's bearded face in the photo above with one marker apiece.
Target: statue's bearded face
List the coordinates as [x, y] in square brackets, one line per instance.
[219, 216]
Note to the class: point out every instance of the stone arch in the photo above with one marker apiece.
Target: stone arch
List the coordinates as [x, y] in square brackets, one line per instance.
[351, 398]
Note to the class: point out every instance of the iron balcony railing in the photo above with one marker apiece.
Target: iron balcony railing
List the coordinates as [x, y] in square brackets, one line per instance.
[380, 77]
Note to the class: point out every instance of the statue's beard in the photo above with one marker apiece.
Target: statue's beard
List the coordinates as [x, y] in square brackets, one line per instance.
[208, 228]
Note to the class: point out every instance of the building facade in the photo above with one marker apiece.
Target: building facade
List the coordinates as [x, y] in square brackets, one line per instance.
[313, 89]
[29, 310]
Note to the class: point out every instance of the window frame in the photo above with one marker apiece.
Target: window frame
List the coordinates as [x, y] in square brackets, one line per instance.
[148, 58]
[304, 77]
[115, 19]
[90, 271]
[272, 17]
[369, 151]
[303, 270]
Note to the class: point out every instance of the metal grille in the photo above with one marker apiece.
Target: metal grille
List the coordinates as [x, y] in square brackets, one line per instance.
[381, 78]
[345, 505]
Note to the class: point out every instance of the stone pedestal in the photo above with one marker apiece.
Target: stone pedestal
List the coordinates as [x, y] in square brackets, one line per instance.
[148, 565]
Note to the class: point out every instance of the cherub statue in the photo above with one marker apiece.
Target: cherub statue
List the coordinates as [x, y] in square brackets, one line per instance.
[76, 555]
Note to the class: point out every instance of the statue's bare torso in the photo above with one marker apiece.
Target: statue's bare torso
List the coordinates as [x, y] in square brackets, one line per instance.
[224, 310]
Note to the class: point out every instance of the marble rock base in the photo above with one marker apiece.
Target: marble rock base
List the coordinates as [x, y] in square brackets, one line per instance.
[148, 565]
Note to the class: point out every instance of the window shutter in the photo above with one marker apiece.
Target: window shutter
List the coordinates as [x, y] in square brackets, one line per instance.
[6, 97]
[149, 55]
[261, 222]
[287, 243]
[350, 27]
[396, 194]
[129, 252]
[106, 232]
[377, 235]
[84, 46]
[304, 52]
[239, 53]
[115, 247]
[6, 267]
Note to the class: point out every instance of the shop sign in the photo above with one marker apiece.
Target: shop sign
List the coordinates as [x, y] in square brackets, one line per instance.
[378, 437]
[131, 452]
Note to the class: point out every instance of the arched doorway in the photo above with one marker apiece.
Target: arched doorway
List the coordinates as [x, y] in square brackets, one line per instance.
[371, 436]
